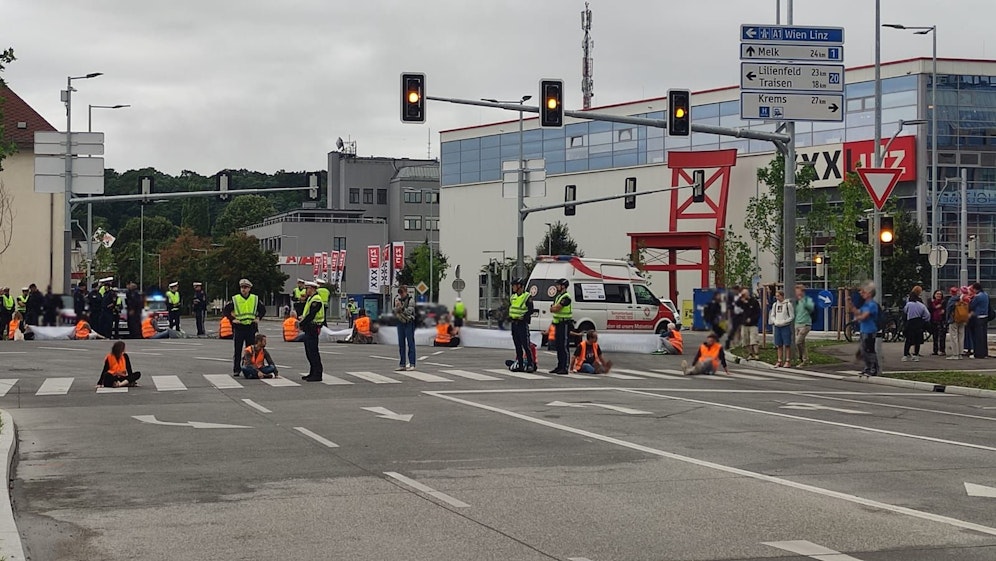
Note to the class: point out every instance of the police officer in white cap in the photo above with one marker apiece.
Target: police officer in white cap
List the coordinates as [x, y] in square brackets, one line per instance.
[173, 304]
[244, 311]
[311, 325]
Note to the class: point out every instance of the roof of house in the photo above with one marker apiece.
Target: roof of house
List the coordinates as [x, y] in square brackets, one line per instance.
[20, 121]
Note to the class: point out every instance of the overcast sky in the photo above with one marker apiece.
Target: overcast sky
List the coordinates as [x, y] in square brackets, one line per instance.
[271, 84]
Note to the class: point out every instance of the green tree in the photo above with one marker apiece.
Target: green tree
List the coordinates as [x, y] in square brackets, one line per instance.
[848, 261]
[416, 269]
[906, 267]
[735, 261]
[558, 241]
[240, 256]
[7, 147]
[244, 210]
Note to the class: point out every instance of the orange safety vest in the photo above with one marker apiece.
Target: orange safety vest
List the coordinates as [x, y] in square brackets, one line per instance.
[290, 329]
[676, 340]
[148, 330]
[225, 329]
[11, 328]
[711, 353]
[116, 366]
[583, 351]
[443, 333]
[257, 358]
[362, 326]
[82, 330]
[551, 333]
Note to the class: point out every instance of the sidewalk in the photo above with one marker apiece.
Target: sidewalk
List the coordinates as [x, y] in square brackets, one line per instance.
[891, 360]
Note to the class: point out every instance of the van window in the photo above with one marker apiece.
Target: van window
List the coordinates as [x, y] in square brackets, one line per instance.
[644, 297]
[618, 294]
[589, 292]
[542, 290]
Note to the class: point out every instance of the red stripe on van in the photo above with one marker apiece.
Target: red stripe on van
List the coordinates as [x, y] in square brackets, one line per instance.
[576, 262]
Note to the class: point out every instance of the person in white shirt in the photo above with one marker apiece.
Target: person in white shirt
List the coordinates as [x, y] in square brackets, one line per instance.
[781, 317]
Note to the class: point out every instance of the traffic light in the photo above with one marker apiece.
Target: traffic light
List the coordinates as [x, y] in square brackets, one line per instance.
[313, 186]
[820, 266]
[862, 234]
[570, 194]
[552, 103]
[698, 186]
[223, 179]
[679, 112]
[413, 98]
[887, 235]
[147, 182]
[630, 202]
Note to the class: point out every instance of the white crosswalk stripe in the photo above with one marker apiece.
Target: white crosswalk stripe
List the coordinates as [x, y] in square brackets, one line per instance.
[168, 383]
[279, 382]
[5, 386]
[424, 376]
[780, 375]
[55, 386]
[470, 375]
[644, 373]
[223, 381]
[332, 380]
[521, 375]
[374, 378]
[112, 390]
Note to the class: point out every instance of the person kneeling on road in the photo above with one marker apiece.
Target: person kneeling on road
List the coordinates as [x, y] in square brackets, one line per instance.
[444, 333]
[708, 359]
[256, 360]
[84, 331]
[588, 357]
[117, 372]
[671, 341]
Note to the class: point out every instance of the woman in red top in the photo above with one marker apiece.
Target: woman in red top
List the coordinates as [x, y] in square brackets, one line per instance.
[117, 371]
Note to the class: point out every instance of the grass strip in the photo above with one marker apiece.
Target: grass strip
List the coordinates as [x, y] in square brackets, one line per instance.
[948, 378]
[767, 353]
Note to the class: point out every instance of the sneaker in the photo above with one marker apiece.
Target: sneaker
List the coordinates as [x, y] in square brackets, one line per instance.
[952, 357]
[400, 368]
[659, 352]
[916, 358]
[410, 367]
[906, 358]
[684, 367]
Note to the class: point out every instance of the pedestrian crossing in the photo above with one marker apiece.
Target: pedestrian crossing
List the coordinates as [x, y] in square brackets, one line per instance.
[61, 386]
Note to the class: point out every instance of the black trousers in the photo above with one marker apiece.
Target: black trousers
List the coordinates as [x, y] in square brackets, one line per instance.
[107, 381]
[560, 335]
[174, 319]
[5, 322]
[311, 351]
[299, 308]
[199, 319]
[135, 324]
[243, 336]
[980, 345]
[520, 338]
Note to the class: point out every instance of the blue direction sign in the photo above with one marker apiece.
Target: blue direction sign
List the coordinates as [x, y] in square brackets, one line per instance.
[800, 53]
[825, 299]
[753, 33]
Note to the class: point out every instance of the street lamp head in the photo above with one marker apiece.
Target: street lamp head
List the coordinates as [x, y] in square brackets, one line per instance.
[119, 106]
[894, 25]
[526, 98]
[903, 123]
[925, 31]
[93, 75]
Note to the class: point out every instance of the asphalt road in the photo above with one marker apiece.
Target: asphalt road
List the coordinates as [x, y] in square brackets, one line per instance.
[647, 465]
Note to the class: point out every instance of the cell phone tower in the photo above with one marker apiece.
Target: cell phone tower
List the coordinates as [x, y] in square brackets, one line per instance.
[587, 63]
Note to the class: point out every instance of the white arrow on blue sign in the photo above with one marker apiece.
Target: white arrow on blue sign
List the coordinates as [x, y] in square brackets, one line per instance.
[792, 34]
[801, 53]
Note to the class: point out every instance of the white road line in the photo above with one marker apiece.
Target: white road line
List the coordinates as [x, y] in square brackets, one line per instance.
[216, 359]
[384, 357]
[5, 385]
[329, 353]
[144, 353]
[77, 349]
[331, 380]
[439, 364]
[781, 375]
[463, 374]
[813, 373]
[655, 374]
[110, 390]
[427, 490]
[438, 353]
[629, 374]
[522, 375]
[188, 343]
[256, 406]
[910, 394]
[316, 437]
[729, 469]
[13, 352]
[424, 376]
[168, 383]
[810, 549]
[811, 420]
[953, 414]
[621, 376]
[55, 386]
[375, 378]
[279, 382]
[736, 374]
[578, 559]
[673, 372]
[223, 381]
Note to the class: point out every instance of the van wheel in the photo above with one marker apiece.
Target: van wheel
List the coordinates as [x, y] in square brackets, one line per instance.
[661, 328]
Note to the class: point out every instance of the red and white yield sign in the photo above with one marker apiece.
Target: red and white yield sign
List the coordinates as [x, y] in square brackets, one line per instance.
[880, 182]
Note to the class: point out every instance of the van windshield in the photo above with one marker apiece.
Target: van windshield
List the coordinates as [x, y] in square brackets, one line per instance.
[644, 297]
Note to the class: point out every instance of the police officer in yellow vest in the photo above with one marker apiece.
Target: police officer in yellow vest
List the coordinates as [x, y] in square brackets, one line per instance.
[352, 310]
[324, 293]
[173, 304]
[21, 302]
[311, 324]
[6, 310]
[520, 311]
[298, 297]
[244, 311]
[562, 314]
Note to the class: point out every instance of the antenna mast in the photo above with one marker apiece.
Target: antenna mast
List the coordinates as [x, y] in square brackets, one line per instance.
[587, 63]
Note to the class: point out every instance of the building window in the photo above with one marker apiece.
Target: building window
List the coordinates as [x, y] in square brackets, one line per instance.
[368, 196]
[382, 196]
[413, 223]
[432, 197]
[338, 243]
[354, 196]
[432, 224]
[413, 196]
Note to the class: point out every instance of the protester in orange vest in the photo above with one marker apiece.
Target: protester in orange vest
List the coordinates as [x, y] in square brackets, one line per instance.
[444, 333]
[84, 331]
[225, 328]
[150, 330]
[363, 330]
[550, 336]
[588, 357]
[256, 360]
[117, 370]
[291, 333]
[671, 341]
[18, 330]
[708, 359]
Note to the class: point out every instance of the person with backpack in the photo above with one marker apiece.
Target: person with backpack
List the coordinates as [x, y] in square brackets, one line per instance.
[958, 315]
[804, 309]
[782, 317]
[979, 324]
[917, 316]
[937, 308]
[867, 317]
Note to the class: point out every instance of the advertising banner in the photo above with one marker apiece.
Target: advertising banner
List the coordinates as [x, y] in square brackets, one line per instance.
[399, 261]
[373, 265]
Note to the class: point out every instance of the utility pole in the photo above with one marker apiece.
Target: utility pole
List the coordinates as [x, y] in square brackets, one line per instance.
[788, 199]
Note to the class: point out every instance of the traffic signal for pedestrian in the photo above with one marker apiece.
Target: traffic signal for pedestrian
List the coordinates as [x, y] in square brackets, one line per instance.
[679, 112]
[413, 98]
[570, 194]
[630, 202]
[698, 186]
[887, 235]
[820, 265]
[862, 234]
[551, 103]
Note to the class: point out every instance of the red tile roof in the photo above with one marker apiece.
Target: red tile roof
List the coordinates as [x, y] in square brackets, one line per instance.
[16, 110]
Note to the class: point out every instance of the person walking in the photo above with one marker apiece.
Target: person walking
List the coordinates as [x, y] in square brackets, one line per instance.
[244, 311]
[311, 324]
[867, 318]
[713, 314]
[34, 304]
[957, 314]
[173, 304]
[782, 318]
[980, 321]
[938, 313]
[917, 318]
[520, 312]
[562, 316]
[199, 305]
[134, 306]
[804, 308]
[79, 299]
[7, 308]
[404, 310]
[736, 318]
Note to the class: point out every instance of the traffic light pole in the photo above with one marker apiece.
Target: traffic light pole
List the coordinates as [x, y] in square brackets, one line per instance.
[180, 195]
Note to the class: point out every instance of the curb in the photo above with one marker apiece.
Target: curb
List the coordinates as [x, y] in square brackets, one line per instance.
[10, 539]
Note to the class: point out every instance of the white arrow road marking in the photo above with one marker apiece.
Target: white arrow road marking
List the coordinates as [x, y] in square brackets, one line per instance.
[427, 490]
[152, 420]
[974, 490]
[256, 406]
[616, 408]
[810, 549]
[385, 413]
[818, 407]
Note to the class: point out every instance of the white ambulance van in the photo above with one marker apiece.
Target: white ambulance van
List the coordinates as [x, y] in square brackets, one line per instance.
[606, 295]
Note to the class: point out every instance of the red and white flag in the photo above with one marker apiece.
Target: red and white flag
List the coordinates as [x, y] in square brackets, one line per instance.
[385, 266]
[373, 265]
[399, 260]
[316, 268]
[340, 267]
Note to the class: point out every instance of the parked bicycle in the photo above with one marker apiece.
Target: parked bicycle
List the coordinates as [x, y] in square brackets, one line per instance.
[893, 330]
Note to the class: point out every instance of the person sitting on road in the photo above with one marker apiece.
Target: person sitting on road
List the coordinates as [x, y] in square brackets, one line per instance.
[256, 360]
[117, 370]
[363, 329]
[444, 333]
[150, 330]
[225, 328]
[18, 329]
[291, 333]
[708, 359]
[84, 331]
[671, 341]
[588, 357]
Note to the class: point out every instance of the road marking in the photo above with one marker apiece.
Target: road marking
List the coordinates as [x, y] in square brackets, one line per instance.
[818, 407]
[5, 385]
[383, 357]
[223, 381]
[385, 413]
[144, 353]
[463, 374]
[152, 420]
[424, 376]
[727, 469]
[439, 364]
[13, 352]
[850, 372]
[810, 549]
[438, 353]
[654, 374]
[427, 490]
[256, 406]
[620, 376]
[329, 353]
[55, 386]
[320, 439]
[279, 382]
[77, 349]
[423, 358]
[813, 373]
[953, 414]
[781, 375]
[188, 343]
[736, 374]
[375, 378]
[578, 559]
[522, 375]
[331, 380]
[216, 359]
[615, 408]
[168, 383]
[974, 490]
[102, 389]
[811, 420]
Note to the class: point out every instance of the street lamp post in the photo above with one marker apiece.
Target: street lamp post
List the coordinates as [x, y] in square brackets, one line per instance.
[490, 284]
[159, 278]
[934, 219]
[89, 206]
[67, 234]
[549, 238]
[520, 240]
